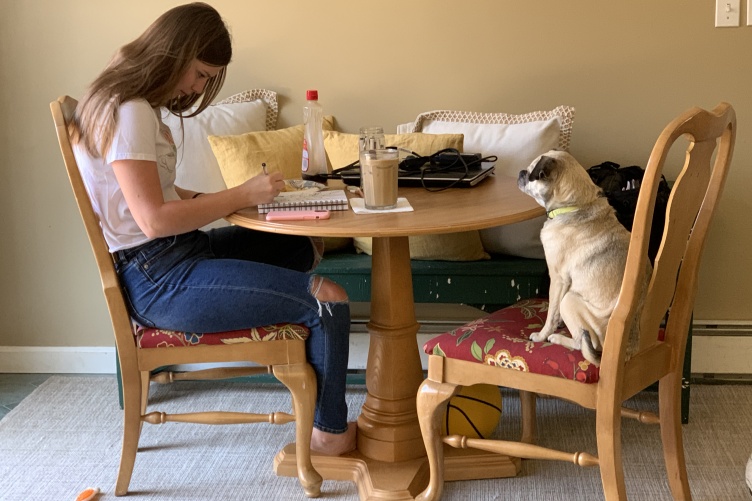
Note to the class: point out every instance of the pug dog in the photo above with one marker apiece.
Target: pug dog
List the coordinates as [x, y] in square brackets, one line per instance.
[586, 252]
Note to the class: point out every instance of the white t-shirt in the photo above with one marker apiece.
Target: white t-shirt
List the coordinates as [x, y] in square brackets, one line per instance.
[140, 135]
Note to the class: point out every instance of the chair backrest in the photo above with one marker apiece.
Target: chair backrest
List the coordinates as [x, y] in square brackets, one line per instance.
[63, 110]
[694, 197]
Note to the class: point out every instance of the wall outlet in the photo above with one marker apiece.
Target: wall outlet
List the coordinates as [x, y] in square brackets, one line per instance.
[727, 13]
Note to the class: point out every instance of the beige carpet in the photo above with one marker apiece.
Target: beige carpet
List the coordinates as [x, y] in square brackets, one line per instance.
[65, 437]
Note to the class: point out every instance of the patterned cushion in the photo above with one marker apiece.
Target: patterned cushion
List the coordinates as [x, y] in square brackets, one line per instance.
[147, 337]
[503, 339]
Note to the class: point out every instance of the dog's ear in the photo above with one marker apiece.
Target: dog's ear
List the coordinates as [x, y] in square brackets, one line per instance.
[543, 168]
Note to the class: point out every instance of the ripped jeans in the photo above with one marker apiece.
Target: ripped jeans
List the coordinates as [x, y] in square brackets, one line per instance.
[234, 278]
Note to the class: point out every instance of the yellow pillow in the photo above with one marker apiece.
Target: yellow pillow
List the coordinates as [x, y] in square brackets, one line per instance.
[336, 244]
[240, 156]
[462, 246]
[342, 148]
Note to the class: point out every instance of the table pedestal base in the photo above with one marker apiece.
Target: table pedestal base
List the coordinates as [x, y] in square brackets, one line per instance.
[403, 480]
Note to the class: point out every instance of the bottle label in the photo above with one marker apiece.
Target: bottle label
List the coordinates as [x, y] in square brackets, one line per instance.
[305, 156]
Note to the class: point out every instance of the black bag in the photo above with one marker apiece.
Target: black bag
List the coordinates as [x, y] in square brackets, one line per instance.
[621, 185]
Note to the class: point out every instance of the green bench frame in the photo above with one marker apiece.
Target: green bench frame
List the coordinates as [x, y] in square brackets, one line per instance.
[489, 284]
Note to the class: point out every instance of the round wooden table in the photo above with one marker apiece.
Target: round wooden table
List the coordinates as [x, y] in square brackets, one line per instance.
[390, 461]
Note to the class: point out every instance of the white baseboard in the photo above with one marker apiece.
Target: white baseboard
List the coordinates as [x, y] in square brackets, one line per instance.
[721, 355]
[710, 355]
[57, 359]
[715, 350]
[721, 347]
[434, 318]
[101, 360]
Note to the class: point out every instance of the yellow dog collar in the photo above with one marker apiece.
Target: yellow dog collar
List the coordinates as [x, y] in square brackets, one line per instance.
[558, 212]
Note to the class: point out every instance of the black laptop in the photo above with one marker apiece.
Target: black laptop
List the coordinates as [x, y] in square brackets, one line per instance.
[431, 176]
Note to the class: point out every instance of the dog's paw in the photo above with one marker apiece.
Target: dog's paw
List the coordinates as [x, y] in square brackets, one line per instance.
[558, 338]
[537, 337]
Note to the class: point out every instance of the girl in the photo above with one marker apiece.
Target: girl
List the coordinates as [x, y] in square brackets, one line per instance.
[174, 275]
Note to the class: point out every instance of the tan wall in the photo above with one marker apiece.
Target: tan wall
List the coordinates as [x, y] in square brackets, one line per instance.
[628, 68]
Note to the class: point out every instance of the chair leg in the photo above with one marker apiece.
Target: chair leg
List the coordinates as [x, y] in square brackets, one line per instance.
[145, 382]
[669, 391]
[608, 436]
[301, 381]
[431, 401]
[527, 406]
[131, 431]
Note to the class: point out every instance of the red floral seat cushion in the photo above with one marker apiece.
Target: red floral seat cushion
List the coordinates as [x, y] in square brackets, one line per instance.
[147, 337]
[503, 339]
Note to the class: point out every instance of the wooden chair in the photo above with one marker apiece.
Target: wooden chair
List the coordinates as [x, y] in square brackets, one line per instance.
[489, 353]
[279, 349]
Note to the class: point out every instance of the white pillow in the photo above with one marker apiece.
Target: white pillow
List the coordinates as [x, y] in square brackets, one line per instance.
[197, 168]
[516, 140]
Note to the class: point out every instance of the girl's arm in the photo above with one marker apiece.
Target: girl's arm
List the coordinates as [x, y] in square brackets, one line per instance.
[186, 194]
[139, 181]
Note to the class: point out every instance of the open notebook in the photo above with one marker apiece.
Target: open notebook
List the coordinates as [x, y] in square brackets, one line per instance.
[311, 199]
[429, 178]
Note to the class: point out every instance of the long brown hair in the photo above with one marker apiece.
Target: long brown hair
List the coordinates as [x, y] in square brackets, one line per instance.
[150, 68]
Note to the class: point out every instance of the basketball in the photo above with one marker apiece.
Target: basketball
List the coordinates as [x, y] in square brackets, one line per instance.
[473, 412]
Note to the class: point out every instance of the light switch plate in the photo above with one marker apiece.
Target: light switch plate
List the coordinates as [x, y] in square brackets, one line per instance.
[727, 13]
[749, 12]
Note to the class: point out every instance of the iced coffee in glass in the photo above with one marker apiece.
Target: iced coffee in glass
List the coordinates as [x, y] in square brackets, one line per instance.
[378, 175]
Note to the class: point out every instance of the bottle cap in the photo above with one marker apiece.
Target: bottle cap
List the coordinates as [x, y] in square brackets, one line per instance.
[312, 95]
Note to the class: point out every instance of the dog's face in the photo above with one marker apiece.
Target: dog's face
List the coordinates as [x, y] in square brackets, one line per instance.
[556, 179]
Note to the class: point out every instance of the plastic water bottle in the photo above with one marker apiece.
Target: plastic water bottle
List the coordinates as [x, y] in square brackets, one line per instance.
[314, 155]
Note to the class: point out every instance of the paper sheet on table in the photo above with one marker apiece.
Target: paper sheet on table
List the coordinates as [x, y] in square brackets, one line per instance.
[359, 207]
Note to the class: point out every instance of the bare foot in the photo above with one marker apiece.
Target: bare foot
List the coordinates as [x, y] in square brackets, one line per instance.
[334, 444]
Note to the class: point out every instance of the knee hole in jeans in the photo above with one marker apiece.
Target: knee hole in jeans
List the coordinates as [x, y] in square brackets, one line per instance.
[327, 291]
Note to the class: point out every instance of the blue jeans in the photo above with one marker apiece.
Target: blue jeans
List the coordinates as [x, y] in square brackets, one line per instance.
[234, 278]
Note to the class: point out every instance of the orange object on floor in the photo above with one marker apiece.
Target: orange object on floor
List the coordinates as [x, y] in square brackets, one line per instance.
[88, 494]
